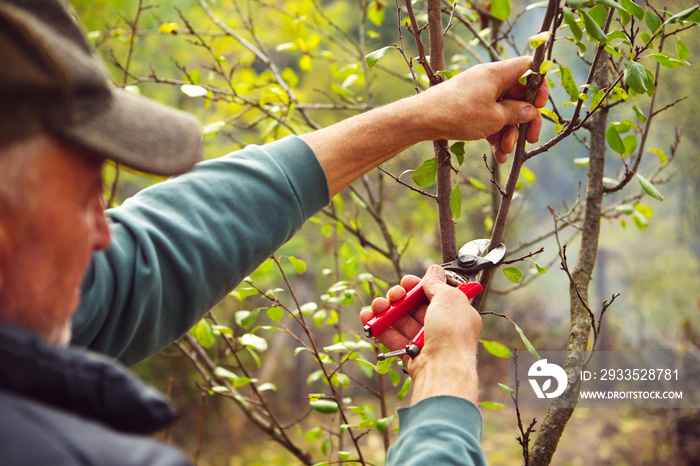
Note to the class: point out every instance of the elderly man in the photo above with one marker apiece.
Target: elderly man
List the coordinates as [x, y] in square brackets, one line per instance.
[129, 286]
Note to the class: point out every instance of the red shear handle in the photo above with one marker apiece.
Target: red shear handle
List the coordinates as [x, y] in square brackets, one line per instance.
[382, 321]
[413, 298]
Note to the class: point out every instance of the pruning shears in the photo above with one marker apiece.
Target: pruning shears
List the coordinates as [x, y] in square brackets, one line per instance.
[474, 257]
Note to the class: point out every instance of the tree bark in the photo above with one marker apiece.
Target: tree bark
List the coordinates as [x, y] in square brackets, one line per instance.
[562, 408]
[448, 237]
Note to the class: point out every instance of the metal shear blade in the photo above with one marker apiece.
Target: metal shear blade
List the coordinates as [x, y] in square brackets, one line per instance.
[473, 258]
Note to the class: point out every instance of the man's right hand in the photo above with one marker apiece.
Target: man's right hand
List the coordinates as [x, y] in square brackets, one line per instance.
[447, 363]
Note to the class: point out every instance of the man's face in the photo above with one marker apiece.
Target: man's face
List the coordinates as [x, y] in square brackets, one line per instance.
[45, 249]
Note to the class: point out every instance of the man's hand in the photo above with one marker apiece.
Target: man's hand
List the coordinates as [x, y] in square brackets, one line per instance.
[447, 363]
[484, 102]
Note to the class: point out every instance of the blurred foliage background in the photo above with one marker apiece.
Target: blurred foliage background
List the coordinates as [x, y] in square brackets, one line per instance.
[176, 53]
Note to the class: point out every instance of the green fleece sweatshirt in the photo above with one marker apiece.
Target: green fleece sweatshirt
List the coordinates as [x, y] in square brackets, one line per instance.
[180, 246]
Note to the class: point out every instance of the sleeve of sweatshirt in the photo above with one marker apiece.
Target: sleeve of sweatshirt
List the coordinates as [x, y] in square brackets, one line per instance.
[180, 246]
[442, 430]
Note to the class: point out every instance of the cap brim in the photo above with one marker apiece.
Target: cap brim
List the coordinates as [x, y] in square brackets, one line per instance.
[141, 134]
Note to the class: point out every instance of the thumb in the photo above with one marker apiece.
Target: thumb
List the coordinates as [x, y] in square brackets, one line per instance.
[508, 72]
[515, 112]
[433, 280]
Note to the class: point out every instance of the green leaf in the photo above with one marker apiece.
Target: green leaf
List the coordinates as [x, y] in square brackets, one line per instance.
[211, 129]
[395, 378]
[682, 50]
[448, 74]
[221, 330]
[592, 27]
[253, 341]
[325, 447]
[383, 367]
[683, 15]
[357, 200]
[645, 210]
[244, 292]
[663, 158]
[527, 343]
[550, 114]
[599, 14]
[456, 202]
[314, 377]
[337, 347]
[513, 274]
[313, 434]
[582, 162]
[307, 309]
[384, 423]
[567, 80]
[168, 28]
[570, 20]
[225, 373]
[614, 140]
[319, 317]
[630, 143]
[492, 405]
[539, 39]
[477, 184]
[376, 13]
[649, 188]
[506, 389]
[620, 94]
[609, 4]
[626, 209]
[500, 9]
[349, 267]
[373, 57]
[324, 406]
[635, 77]
[426, 174]
[527, 175]
[275, 313]
[458, 150]
[579, 3]
[246, 318]
[267, 386]
[634, 9]
[286, 46]
[624, 126]
[668, 61]
[651, 87]
[204, 334]
[340, 379]
[193, 76]
[298, 264]
[305, 63]
[640, 220]
[497, 349]
[541, 270]
[640, 114]
[192, 90]
[404, 389]
[652, 21]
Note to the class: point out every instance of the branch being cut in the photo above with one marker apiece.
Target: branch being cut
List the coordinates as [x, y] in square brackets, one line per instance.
[534, 81]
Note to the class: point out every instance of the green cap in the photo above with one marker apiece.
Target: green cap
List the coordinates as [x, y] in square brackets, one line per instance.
[52, 82]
